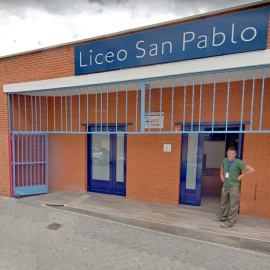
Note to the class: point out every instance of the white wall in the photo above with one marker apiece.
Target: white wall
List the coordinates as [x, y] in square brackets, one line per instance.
[215, 153]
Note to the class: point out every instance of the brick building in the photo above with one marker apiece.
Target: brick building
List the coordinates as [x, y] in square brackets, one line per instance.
[83, 117]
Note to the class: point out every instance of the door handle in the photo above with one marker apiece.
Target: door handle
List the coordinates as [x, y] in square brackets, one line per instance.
[110, 163]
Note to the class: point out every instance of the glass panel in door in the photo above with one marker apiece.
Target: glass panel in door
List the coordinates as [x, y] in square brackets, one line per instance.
[191, 168]
[101, 157]
[192, 154]
[120, 158]
[106, 163]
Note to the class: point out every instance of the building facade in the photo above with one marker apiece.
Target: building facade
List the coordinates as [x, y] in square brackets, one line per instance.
[154, 127]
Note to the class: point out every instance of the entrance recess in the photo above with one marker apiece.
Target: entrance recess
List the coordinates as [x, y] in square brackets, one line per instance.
[107, 162]
[193, 160]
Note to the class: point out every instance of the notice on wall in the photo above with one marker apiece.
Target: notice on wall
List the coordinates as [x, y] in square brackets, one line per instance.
[156, 119]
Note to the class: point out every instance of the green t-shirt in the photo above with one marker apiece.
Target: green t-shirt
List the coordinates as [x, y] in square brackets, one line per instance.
[235, 169]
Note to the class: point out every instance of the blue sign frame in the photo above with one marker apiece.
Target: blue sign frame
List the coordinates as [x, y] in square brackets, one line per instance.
[227, 34]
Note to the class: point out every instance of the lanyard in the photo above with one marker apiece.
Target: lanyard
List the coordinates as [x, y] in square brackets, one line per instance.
[229, 165]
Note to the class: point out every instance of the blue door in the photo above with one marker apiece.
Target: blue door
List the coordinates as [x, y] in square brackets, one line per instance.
[191, 169]
[107, 162]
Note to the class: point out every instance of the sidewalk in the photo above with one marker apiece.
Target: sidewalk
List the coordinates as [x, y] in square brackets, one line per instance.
[249, 232]
[37, 237]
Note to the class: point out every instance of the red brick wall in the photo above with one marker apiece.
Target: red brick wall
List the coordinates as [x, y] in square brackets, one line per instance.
[255, 190]
[4, 147]
[149, 184]
[145, 152]
[67, 162]
[40, 65]
[153, 175]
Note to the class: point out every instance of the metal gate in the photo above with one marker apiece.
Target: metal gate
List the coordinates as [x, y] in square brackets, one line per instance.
[232, 96]
[30, 164]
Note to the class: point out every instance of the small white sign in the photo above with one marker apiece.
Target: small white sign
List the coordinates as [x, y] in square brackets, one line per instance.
[167, 148]
[156, 119]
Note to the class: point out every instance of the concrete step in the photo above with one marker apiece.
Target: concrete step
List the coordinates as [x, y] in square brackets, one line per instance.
[236, 241]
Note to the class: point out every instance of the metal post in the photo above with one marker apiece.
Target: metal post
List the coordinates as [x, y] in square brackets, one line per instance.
[116, 107]
[40, 118]
[107, 108]
[243, 97]
[46, 159]
[71, 110]
[26, 158]
[184, 113]
[172, 103]
[47, 111]
[9, 111]
[87, 109]
[126, 105]
[214, 99]
[25, 112]
[54, 111]
[66, 107]
[149, 105]
[228, 100]
[36, 110]
[14, 162]
[61, 113]
[96, 112]
[142, 106]
[200, 113]
[252, 100]
[22, 163]
[13, 117]
[38, 158]
[262, 96]
[19, 108]
[32, 113]
[79, 109]
[18, 159]
[101, 108]
[42, 160]
[137, 90]
[160, 106]
[192, 110]
[31, 159]
[35, 159]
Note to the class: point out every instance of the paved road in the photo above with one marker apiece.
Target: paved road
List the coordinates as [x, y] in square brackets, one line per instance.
[83, 242]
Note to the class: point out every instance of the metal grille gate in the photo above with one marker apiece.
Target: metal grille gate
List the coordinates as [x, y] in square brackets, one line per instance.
[30, 164]
[239, 95]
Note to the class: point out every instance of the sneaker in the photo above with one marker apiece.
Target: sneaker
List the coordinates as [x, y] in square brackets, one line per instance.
[226, 225]
[218, 219]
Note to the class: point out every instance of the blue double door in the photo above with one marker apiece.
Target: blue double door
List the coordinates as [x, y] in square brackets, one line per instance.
[107, 163]
[192, 159]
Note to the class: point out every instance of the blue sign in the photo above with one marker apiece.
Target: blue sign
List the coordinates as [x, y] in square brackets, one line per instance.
[234, 33]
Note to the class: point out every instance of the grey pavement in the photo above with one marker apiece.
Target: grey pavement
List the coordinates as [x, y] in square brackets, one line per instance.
[84, 242]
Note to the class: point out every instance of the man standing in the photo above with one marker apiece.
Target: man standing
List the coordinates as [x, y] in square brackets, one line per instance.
[230, 175]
